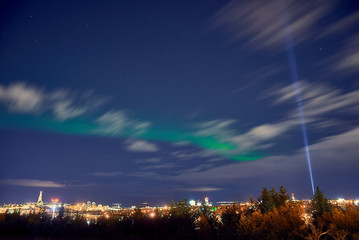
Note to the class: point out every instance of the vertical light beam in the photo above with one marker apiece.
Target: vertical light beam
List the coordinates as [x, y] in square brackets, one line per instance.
[294, 75]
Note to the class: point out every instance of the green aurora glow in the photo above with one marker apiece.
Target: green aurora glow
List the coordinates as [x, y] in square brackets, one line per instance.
[91, 128]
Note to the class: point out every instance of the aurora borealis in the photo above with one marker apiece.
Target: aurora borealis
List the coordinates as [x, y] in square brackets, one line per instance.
[140, 101]
[93, 127]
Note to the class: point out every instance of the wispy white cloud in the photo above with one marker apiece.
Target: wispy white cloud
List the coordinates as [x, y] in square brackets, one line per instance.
[181, 143]
[160, 166]
[262, 24]
[254, 138]
[19, 97]
[203, 189]
[341, 25]
[149, 160]
[347, 60]
[318, 99]
[23, 98]
[107, 174]
[218, 128]
[186, 155]
[65, 105]
[142, 146]
[84, 185]
[337, 153]
[225, 132]
[331, 155]
[255, 77]
[118, 122]
[63, 110]
[200, 168]
[147, 174]
[32, 183]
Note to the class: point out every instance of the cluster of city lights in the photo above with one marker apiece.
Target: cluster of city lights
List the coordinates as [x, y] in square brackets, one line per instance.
[92, 211]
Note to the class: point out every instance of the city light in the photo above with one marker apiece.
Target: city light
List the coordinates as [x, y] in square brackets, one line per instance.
[53, 211]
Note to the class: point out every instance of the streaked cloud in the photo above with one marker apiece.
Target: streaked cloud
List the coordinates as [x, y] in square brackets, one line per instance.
[347, 60]
[203, 189]
[149, 160]
[32, 183]
[187, 155]
[338, 153]
[218, 127]
[160, 166]
[20, 97]
[107, 174]
[118, 122]
[181, 143]
[255, 77]
[254, 138]
[63, 110]
[199, 168]
[218, 137]
[341, 25]
[147, 174]
[264, 24]
[318, 99]
[142, 146]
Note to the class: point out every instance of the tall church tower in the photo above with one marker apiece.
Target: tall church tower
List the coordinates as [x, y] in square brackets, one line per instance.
[39, 201]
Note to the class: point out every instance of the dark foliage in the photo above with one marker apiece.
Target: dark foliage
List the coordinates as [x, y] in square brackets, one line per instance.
[270, 200]
[320, 204]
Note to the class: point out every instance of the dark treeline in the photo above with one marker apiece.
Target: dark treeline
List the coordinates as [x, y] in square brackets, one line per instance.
[271, 216]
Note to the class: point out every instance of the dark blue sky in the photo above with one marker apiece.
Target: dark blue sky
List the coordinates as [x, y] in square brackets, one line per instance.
[133, 101]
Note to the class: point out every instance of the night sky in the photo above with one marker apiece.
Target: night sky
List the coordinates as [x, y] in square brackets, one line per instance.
[151, 101]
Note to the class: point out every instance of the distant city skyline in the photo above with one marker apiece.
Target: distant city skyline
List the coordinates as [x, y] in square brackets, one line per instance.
[135, 101]
[49, 200]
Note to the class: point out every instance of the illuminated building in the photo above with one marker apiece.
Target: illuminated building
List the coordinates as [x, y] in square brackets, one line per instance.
[39, 201]
[206, 202]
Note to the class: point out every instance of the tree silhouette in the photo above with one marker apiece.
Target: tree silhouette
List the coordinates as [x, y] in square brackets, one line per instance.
[270, 200]
[320, 204]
